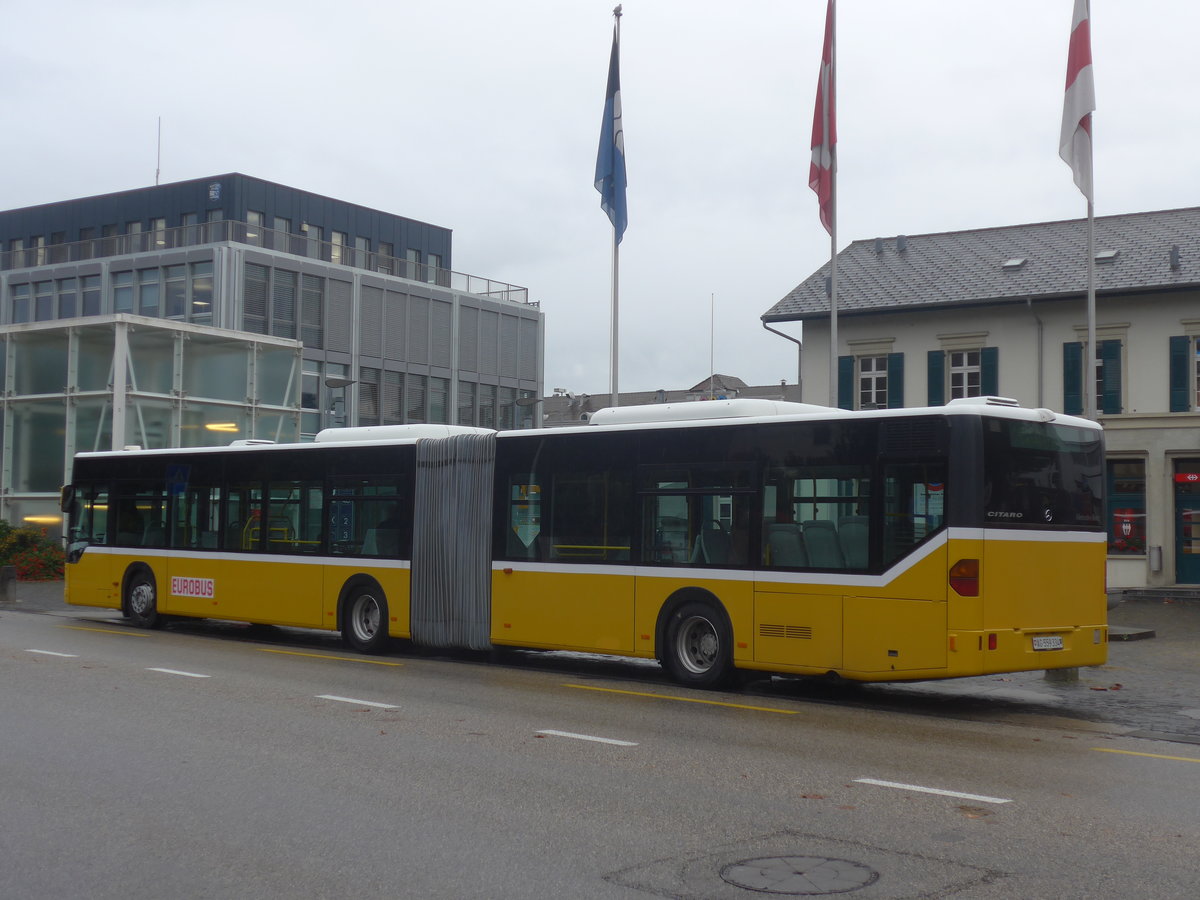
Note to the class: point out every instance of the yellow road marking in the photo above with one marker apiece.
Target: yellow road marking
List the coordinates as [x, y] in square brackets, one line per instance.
[588, 687]
[353, 659]
[106, 630]
[1151, 755]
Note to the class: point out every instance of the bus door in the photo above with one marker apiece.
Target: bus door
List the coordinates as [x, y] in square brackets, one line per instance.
[88, 574]
[575, 517]
[1187, 521]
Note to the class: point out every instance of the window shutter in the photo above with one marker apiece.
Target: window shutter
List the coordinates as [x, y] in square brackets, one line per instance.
[937, 377]
[895, 382]
[1181, 393]
[989, 371]
[1073, 378]
[1110, 358]
[845, 385]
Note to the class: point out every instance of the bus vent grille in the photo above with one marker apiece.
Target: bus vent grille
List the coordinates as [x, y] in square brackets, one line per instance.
[802, 632]
[910, 437]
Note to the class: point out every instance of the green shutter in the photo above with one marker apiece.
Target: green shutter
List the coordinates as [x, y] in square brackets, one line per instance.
[1110, 374]
[989, 371]
[845, 385]
[937, 377]
[895, 382]
[1073, 378]
[1181, 353]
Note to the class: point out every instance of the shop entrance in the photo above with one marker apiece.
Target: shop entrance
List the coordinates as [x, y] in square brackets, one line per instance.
[1187, 521]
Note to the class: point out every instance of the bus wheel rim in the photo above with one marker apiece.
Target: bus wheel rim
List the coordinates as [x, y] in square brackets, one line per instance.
[698, 645]
[366, 617]
[141, 598]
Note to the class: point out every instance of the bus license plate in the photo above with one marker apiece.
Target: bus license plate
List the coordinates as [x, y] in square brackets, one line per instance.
[1047, 642]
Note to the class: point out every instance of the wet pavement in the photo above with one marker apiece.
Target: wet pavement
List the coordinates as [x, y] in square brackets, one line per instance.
[1149, 688]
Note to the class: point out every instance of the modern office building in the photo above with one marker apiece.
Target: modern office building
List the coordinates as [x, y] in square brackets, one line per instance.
[229, 307]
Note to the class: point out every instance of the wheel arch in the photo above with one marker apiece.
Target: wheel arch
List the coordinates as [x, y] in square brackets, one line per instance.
[674, 602]
[135, 568]
[352, 584]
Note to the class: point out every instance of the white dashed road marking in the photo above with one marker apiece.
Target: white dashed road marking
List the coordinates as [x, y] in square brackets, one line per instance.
[979, 798]
[588, 737]
[357, 702]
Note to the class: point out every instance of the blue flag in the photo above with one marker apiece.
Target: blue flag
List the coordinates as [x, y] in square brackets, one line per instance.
[610, 160]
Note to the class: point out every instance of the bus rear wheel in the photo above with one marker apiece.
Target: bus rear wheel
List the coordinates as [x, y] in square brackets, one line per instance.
[141, 600]
[364, 620]
[697, 649]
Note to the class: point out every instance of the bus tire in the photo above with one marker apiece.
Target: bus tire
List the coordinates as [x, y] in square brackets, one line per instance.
[365, 619]
[141, 599]
[698, 646]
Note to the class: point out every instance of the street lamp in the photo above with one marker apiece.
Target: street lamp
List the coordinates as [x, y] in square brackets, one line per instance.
[337, 415]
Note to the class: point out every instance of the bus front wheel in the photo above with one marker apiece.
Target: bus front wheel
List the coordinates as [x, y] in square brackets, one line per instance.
[364, 620]
[141, 600]
[698, 645]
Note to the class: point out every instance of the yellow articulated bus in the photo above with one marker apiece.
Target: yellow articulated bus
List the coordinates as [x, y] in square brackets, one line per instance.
[744, 534]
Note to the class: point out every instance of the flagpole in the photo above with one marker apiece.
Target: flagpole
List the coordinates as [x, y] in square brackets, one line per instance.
[1093, 406]
[616, 280]
[833, 272]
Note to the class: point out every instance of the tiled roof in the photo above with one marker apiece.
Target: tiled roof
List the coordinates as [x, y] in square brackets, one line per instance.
[967, 267]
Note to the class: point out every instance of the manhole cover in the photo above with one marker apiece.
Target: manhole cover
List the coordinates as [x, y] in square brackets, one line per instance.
[802, 876]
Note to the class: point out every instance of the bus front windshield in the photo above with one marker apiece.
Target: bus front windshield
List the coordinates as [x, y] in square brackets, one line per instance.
[1042, 475]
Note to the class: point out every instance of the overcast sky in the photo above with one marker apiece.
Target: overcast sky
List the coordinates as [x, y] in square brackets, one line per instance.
[484, 117]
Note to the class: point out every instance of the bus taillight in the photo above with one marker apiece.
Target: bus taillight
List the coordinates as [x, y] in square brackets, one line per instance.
[964, 577]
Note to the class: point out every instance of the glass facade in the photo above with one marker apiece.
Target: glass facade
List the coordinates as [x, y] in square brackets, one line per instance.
[183, 386]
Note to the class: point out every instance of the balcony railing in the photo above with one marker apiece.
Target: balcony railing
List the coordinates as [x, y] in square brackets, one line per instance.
[256, 236]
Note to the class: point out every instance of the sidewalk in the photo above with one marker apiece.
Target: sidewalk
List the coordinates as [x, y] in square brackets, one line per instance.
[1150, 686]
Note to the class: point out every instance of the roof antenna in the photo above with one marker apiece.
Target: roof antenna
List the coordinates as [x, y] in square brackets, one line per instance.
[158, 158]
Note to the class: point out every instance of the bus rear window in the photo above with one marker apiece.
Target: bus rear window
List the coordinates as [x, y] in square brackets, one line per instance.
[1040, 475]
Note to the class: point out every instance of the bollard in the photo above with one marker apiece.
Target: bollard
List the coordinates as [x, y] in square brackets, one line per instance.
[8, 584]
[1062, 675]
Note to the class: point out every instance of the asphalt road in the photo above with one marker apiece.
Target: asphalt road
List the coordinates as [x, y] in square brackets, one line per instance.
[188, 763]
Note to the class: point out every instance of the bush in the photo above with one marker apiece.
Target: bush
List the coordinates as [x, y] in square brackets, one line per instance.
[35, 556]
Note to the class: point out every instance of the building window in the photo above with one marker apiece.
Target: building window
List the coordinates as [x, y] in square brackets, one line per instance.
[415, 407]
[362, 252]
[202, 293]
[148, 293]
[20, 302]
[133, 237]
[393, 398]
[158, 233]
[466, 403]
[1108, 376]
[254, 298]
[412, 267]
[872, 382]
[67, 298]
[384, 263]
[280, 236]
[1126, 498]
[337, 244]
[189, 231]
[43, 301]
[92, 296]
[255, 223]
[439, 400]
[122, 288]
[368, 396]
[37, 247]
[312, 236]
[964, 373]
[434, 272]
[175, 293]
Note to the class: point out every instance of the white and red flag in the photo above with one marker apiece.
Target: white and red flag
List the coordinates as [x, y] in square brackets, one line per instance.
[824, 133]
[1075, 143]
